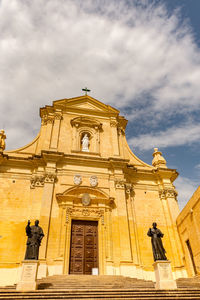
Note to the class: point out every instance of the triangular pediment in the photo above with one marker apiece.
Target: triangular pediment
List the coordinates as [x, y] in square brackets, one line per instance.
[85, 103]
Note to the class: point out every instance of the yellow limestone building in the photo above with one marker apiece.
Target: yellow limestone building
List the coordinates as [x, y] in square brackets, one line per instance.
[94, 198]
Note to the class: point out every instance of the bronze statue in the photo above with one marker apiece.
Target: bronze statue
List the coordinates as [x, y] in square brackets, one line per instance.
[157, 246]
[35, 235]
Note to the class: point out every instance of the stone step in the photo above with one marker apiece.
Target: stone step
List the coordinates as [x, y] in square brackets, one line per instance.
[158, 296]
[102, 282]
[120, 291]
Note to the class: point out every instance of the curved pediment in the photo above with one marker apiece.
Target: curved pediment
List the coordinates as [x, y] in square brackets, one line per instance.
[75, 194]
[85, 121]
[78, 191]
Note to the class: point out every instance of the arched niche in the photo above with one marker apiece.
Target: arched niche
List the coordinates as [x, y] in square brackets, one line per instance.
[90, 126]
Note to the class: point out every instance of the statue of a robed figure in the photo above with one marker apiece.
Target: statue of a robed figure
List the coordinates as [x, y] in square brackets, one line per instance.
[157, 246]
[35, 235]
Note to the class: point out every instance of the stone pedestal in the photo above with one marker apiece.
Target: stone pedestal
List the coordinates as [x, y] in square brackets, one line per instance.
[163, 274]
[28, 276]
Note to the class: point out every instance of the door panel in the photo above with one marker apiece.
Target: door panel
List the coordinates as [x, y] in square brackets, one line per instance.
[84, 247]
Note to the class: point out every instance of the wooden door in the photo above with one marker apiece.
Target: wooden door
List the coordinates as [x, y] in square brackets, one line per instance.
[84, 247]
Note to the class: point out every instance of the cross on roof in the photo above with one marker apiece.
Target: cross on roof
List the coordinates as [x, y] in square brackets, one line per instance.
[86, 90]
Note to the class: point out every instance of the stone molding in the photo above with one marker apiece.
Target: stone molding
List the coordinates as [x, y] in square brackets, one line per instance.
[168, 193]
[58, 116]
[120, 130]
[50, 177]
[113, 123]
[121, 184]
[129, 188]
[85, 212]
[49, 119]
[38, 180]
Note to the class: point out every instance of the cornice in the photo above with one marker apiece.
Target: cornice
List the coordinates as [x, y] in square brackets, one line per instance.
[172, 174]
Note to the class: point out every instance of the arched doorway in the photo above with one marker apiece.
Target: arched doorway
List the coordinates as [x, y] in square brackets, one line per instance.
[86, 214]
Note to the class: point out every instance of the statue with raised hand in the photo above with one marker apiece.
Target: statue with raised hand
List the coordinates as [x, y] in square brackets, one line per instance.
[35, 235]
[157, 246]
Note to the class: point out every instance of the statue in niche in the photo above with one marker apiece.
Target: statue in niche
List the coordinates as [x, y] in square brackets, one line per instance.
[2, 140]
[35, 235]
[157, 246]
[85, 143]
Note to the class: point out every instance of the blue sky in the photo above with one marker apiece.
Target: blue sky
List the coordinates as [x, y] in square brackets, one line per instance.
[190, 12]
[142, 57]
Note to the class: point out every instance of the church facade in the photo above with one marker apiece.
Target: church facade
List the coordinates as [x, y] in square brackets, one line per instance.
[94, 198]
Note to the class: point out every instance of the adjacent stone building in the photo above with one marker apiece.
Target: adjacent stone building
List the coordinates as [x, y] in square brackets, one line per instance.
[188, 223]
[94, 198]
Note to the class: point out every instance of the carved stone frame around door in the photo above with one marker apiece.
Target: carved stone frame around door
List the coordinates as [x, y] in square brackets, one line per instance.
[72, 208]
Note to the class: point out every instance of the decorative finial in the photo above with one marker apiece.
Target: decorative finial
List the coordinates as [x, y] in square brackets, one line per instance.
[86, 90]
[2, 140]
[158, 159]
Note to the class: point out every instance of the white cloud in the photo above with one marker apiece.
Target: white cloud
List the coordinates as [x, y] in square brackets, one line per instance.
[51, 49]
[174, 136]
[186, 188]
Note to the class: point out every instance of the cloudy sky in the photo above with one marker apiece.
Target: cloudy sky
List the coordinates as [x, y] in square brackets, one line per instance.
[142, 57]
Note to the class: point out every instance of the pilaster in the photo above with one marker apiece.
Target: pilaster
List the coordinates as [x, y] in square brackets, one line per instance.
[124, 233]
[115, 142]
[56, 129]
[46, 205]
[132, 223]
[170, 206]
[49, 126]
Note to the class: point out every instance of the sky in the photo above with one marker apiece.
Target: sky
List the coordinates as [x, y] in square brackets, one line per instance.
[140, 56]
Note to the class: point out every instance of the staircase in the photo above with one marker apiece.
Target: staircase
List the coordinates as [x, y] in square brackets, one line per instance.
[103, 287]
[102, 282]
